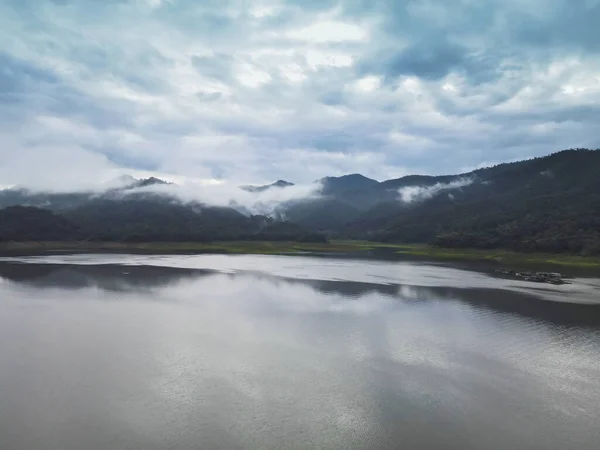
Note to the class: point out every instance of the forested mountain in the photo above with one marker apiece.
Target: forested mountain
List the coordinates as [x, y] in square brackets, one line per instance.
[347, 183]
[52, 201]
[26, 223]
[548, 204]
[266, 187]
[68, 200]
[144, 221]
[149, 218]
[133, 215]
[543, 204]
[417, 180]
[325, 214]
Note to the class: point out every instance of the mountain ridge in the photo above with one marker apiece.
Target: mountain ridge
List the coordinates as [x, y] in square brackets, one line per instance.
[266, 187]
[549, 203]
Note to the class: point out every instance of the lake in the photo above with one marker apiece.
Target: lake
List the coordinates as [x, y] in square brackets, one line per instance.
[286, 352]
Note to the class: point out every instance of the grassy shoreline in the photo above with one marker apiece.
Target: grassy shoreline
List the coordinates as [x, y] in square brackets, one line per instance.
[274, 248]
[500, 256]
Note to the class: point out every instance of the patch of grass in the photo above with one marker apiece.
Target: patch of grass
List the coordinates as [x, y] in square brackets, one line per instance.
[278, 248]
[236, 247]
[505, 256]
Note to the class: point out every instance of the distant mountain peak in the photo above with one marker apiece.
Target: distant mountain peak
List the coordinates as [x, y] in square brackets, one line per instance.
[351, 182]
[127, 181]
[282, 183]
[351, 177]
[418, 180]
[145, 182]
[277, 184]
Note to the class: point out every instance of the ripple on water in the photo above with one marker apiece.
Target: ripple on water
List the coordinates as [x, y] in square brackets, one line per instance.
[252, 356]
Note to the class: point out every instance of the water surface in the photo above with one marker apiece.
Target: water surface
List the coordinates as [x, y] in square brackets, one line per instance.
[264, 352]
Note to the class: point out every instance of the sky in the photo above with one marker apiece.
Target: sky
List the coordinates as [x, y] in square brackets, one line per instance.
[255, 91]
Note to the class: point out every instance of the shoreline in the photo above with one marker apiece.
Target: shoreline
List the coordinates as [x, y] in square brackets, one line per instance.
[420, 274]
[418, 251]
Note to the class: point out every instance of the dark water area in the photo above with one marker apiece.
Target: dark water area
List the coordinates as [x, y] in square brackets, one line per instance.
[265, 352]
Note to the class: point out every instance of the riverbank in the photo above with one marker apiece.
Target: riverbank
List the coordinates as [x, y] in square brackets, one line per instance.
[334, 247]
[232, 247]
[499, 256]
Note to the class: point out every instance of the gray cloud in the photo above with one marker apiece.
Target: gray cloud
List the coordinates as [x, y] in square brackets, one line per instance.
[18, 78]
[219, 66]
[427, 60]
[257, 91]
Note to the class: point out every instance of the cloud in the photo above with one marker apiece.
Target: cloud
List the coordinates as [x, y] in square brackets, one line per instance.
[411, 194]
[250, 92]
[215, 193]
[329, 31]
[219, 66]
[422, 60]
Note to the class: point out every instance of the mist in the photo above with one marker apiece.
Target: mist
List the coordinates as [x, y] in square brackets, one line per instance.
[411, 194]
[209, 192]
[227, 194]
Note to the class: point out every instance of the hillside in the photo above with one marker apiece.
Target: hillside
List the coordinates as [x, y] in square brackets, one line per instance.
[266, 187]
[326, 214]
[144, 220]
[545, 204]
[549, 204]
[25, 223]
[150, 219]
[64, 201]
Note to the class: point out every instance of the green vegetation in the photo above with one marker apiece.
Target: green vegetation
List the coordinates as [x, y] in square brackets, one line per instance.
[233, 247]
[542, 205]
[425, 252]
[549, 205]
[495, 255]
[527, 210]
[145, 219]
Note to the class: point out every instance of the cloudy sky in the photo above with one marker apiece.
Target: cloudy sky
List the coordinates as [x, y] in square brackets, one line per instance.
[254, 91]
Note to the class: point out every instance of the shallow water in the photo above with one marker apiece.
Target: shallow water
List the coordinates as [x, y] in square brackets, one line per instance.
[260, 352]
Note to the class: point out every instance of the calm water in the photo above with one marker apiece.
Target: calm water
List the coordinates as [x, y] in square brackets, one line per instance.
[264, 352]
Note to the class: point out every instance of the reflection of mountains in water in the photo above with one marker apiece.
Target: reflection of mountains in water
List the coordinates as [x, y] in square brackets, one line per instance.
[497, 300]
[143, 278]
[105, 277]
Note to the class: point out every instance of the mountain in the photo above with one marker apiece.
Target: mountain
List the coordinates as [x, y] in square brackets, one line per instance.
[348, 183]
[418, 180]
[129, 214]
[277, 184]
[65, 201]
[27, 223]
[324, 215]
[144, 220]
[145, 182]
[151, 218]
[52, 201]
[549, 204]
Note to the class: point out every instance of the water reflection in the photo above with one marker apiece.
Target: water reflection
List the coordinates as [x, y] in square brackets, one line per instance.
[106, 277]
[400, 272]
[146, 278]
[195, 359]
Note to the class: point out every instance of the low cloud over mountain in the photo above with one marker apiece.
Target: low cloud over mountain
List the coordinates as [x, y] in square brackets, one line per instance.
[411, 194]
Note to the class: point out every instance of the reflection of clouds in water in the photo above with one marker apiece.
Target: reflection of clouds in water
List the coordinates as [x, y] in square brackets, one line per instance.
[338, 269]
[250, 340]
[426, 337]
[408, 292]
[251, 291]
[309, 361]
